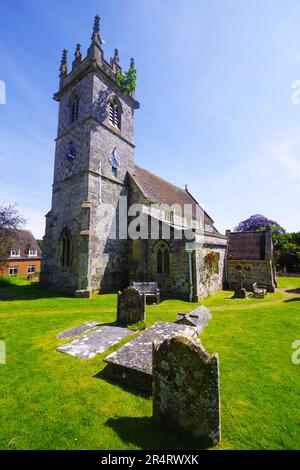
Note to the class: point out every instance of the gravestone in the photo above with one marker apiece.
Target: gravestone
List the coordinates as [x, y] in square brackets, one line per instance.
[96, 342]
[186, 395]
[78, 330]
[197, 318]
[131, 364]
[131, 306]
[240, 293]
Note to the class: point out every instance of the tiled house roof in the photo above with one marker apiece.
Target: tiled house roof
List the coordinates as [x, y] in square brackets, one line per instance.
[24, 241]
[247, 246]
[160, 191]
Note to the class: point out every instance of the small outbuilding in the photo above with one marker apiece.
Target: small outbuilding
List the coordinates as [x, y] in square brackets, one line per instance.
[252, 254]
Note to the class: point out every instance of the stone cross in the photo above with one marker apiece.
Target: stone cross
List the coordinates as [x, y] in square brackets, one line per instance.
[240, 277]
[186, 394]
[131, 306]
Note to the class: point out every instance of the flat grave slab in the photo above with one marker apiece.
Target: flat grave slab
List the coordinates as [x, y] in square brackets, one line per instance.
[132, 363]
[96, 342]
[78, 330]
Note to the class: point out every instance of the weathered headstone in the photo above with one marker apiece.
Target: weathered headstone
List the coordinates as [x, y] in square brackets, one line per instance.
[197, 318]
[131, 306]
[186, 395]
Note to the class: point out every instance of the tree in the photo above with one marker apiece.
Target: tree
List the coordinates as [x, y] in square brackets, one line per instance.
[287, 251]
[40, 243]
[259, 222]
[127, 80]
[10, 218]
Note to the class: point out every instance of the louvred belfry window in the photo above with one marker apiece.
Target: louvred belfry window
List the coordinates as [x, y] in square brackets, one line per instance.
[115, 114]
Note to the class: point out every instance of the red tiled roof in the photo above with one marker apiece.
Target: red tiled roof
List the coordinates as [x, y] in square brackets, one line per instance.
[246, 245]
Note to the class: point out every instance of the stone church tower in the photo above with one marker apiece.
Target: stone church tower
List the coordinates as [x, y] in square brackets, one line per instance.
[94, 154]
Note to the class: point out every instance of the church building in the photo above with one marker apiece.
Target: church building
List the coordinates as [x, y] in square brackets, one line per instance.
[111, 221]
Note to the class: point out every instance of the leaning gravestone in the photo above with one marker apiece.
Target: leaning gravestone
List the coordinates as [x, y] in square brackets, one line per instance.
[186, 394]
[198, 318]
[131, 306]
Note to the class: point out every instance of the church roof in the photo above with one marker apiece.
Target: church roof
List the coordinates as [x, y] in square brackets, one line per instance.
[161, 191]
[247, 245]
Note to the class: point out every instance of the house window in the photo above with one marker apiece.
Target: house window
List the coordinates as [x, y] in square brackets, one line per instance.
[32, 253]
[15, 253]
[115, 113]
[163, 259]
[74, 108]
[13, 270]
[30, 269]
[114, 172]
[65, 245]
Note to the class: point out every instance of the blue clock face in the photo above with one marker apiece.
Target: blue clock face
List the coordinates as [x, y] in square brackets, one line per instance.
[114, 159]
[71, 154]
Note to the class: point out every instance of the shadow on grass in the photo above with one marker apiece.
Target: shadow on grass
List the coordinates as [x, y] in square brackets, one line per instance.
[147, 434]
[296, 299]
[105, 374]
[293, 291]
[28, 292]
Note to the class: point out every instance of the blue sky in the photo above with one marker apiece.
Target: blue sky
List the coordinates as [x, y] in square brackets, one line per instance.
[214, 83]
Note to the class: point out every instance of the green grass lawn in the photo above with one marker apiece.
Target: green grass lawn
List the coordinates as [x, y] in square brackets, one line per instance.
[50, 400]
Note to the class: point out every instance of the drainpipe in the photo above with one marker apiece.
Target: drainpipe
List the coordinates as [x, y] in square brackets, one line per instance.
[190, 253]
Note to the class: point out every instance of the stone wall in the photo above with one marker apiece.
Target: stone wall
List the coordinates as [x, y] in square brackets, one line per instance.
[67, 212]
[108, 254]
[254, 271]
[208, 284]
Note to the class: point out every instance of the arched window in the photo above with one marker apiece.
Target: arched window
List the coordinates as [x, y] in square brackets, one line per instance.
[166, 261]
[65, 247]
[115, 113]
[74, 108]
[163, 259]
[159, 261]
